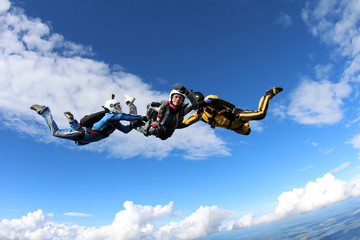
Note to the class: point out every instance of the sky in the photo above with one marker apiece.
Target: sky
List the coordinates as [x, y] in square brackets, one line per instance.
[72, 55]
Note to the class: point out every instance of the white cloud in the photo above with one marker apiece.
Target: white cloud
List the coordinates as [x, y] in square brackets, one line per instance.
[355, 141]
[284, 20]
[318, 102]
[278, 111]
[309, 141]
[307, 168]
[340, 168]
[256, 126]
[323, 192]
[140, 222]
[323, 71]
[203, 222]
[336, 23]
[74, 214]
[4, 6]
[327, 151]
[38, 66]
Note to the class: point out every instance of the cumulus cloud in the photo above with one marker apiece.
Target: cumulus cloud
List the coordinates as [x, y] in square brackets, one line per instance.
[4, 6]
[140, 222]
[204, 221]
[337, 24]
[42, 67]
[323, 192]
[318, 102]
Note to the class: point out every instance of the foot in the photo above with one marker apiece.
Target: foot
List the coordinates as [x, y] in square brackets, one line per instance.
[69, 116]
[273, 91]
[38, 108]
[129, 99]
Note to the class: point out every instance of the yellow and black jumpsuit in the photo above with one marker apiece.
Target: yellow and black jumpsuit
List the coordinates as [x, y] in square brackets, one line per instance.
[220, 113]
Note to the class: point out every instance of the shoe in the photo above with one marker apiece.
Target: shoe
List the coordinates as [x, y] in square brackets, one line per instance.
[69, 116]
[129, 99]
[38, 108]
[273, 91]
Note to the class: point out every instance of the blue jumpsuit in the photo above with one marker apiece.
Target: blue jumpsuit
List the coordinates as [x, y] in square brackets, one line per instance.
[82, 138]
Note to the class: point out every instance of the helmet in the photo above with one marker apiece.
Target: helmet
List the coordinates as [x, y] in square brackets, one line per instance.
[199, 96]
[176, 92]
[211, 96]
[113, 106]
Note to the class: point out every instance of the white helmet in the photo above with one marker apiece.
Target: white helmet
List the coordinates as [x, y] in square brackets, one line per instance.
[176, 92]
[113, 106]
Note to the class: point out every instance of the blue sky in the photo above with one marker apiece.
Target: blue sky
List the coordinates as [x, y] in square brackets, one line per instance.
[72, 55]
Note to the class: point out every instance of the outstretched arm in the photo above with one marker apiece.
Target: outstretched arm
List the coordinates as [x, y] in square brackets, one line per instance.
[189, 121]
[124, 116]
[124, 129]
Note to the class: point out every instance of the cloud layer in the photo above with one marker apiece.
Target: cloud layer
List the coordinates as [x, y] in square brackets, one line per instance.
[336, 24]
[39, 66]
[140, 222]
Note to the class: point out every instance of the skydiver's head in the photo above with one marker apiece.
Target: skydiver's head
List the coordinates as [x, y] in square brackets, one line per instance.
[176, 98]
[113, 106]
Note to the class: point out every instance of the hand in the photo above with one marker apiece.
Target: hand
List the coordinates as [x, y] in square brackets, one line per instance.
[180, 88]
[136, 123]
[202, 104]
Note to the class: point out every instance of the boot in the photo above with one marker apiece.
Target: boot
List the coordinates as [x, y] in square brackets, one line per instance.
[273, 91]
[129, 99]
[38, 108]
[69, 116]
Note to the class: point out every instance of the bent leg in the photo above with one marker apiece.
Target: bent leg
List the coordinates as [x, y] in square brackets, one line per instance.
[260, 113]
[61, 133]
[74, 124]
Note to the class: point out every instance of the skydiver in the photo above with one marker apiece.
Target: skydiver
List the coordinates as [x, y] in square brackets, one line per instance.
[100, 129]
[164, 117]
[220, 113]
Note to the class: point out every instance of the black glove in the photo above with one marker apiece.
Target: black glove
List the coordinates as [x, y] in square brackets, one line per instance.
[180, 88]
[202, 104]
[136, 123]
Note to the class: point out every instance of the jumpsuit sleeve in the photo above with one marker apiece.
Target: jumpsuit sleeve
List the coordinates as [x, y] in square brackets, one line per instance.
[192, 105]
[189, 121]
[128, 117]
[124, 129]
[124, 116]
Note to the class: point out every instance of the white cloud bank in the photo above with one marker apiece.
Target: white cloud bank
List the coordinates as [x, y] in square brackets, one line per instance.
[39, 66]
[140, 222]
[337, 24]
[4, 6]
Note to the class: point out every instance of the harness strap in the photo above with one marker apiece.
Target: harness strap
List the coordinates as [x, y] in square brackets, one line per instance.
[213, 113]
[103, 131]
[228, 127]
[81, 135]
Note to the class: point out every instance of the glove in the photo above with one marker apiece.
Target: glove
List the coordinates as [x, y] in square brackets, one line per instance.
[202, 104]
[136, 123]
[180, 88]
